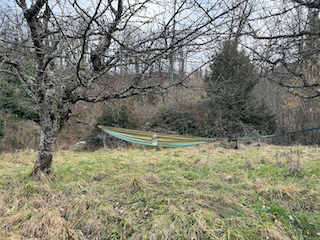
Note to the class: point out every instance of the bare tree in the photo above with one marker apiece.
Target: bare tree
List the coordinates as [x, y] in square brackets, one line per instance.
[284, 39]
[64, 51]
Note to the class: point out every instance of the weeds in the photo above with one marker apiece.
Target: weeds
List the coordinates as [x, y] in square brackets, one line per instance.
[204, 192]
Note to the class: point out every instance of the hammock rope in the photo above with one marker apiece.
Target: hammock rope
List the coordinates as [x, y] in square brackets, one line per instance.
[274, 135]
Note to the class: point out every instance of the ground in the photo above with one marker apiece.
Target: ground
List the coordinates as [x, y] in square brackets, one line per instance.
[201, 192]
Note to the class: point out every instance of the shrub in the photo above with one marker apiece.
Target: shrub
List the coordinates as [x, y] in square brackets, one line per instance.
[197, 122]
[3, 131]
[123, 116]
[178, 121]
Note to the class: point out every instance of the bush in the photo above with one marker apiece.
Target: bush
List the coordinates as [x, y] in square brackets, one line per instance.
[174, 120]
[21, 134]
[198, 121]
[236, 128]
[122, 116]
[3, 132]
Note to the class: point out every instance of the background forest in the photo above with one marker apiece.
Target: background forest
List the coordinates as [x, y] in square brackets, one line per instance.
[246, 80]
[227, 99]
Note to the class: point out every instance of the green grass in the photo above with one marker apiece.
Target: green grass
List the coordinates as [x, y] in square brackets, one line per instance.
[203, 192]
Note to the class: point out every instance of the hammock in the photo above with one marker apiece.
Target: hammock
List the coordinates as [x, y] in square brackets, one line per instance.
[154, 139]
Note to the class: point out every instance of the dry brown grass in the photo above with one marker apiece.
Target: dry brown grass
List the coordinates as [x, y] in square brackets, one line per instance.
[279, 191]
[204, 192]
[274, 232]
[45, 224]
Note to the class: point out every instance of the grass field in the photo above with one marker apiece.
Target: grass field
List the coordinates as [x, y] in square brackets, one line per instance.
[203, 192]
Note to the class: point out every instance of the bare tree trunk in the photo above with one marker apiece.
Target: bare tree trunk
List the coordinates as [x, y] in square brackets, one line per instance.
[48, 137]
[136, 64]
[50, 120]
[181, 70]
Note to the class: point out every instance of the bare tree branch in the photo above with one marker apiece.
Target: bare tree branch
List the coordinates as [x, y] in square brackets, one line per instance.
[309, 4]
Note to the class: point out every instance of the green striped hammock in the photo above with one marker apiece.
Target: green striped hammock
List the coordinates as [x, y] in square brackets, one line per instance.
[154, 139]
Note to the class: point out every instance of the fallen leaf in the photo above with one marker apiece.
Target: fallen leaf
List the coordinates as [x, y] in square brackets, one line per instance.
[276, 222]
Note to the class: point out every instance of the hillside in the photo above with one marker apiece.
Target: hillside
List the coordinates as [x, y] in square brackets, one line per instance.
[203, 192]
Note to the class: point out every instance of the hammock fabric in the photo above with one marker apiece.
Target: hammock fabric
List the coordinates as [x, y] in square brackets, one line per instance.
[154, 139]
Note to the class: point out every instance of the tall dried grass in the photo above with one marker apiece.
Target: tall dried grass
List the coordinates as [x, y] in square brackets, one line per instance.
[204, 192]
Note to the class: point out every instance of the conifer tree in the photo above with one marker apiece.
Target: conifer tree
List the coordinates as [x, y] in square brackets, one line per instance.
[229, 86]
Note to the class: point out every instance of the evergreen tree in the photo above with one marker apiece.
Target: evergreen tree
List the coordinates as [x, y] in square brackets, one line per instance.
[229, 85]
[15, 102]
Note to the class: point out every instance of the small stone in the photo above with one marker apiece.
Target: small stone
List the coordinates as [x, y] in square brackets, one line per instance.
[228, 178]
[291, 218]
